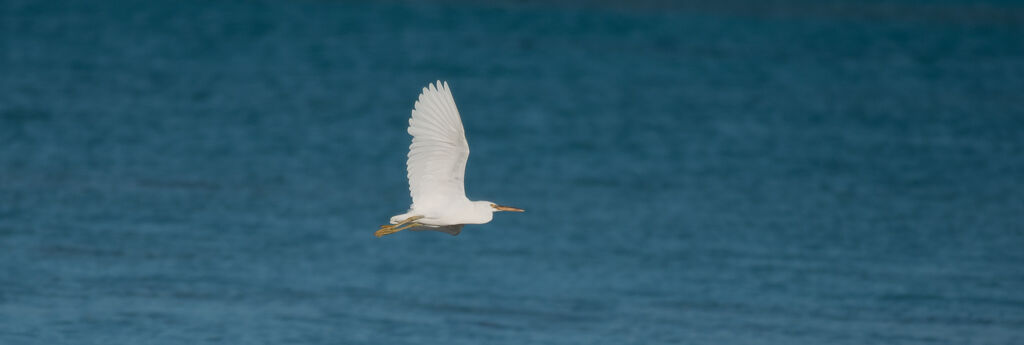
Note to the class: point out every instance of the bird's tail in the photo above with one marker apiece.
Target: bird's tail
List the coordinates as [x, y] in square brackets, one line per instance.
[401, 217]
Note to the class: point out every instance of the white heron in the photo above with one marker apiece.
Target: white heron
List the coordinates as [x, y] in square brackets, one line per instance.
[437, 164]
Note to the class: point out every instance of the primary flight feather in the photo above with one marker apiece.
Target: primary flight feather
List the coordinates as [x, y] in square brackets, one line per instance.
[437, 164]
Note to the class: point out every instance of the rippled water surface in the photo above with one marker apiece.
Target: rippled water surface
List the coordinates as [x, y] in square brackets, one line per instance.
[790, 172]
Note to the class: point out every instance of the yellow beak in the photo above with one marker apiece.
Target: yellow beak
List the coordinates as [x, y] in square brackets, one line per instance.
[507, 208]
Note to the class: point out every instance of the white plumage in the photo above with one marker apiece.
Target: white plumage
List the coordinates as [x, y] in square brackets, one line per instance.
[437, 164]
[438, 154]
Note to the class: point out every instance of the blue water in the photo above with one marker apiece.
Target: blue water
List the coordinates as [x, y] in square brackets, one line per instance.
[743, 172]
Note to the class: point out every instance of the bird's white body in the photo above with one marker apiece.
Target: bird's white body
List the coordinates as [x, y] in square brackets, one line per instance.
[451, 217]
[456, 212]
[436, 166]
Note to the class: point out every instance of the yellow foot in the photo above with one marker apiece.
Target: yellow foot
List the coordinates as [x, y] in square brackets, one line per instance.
[383, 232]
[393, 229]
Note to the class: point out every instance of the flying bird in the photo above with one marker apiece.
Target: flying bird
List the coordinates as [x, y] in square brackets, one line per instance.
[436, 165]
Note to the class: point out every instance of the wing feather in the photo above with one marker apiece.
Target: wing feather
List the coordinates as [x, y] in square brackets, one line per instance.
[453, 230]
[438, 153]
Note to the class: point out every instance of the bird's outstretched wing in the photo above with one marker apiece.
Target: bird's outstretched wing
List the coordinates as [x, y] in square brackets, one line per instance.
[453, 230]
[437, 156]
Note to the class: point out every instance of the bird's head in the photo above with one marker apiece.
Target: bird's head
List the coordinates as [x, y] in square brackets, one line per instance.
[496, 208]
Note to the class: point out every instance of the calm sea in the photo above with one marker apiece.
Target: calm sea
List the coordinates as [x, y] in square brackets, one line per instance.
[742, 172]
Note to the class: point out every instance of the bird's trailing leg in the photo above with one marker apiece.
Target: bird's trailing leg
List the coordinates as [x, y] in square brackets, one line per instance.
[391, 230]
